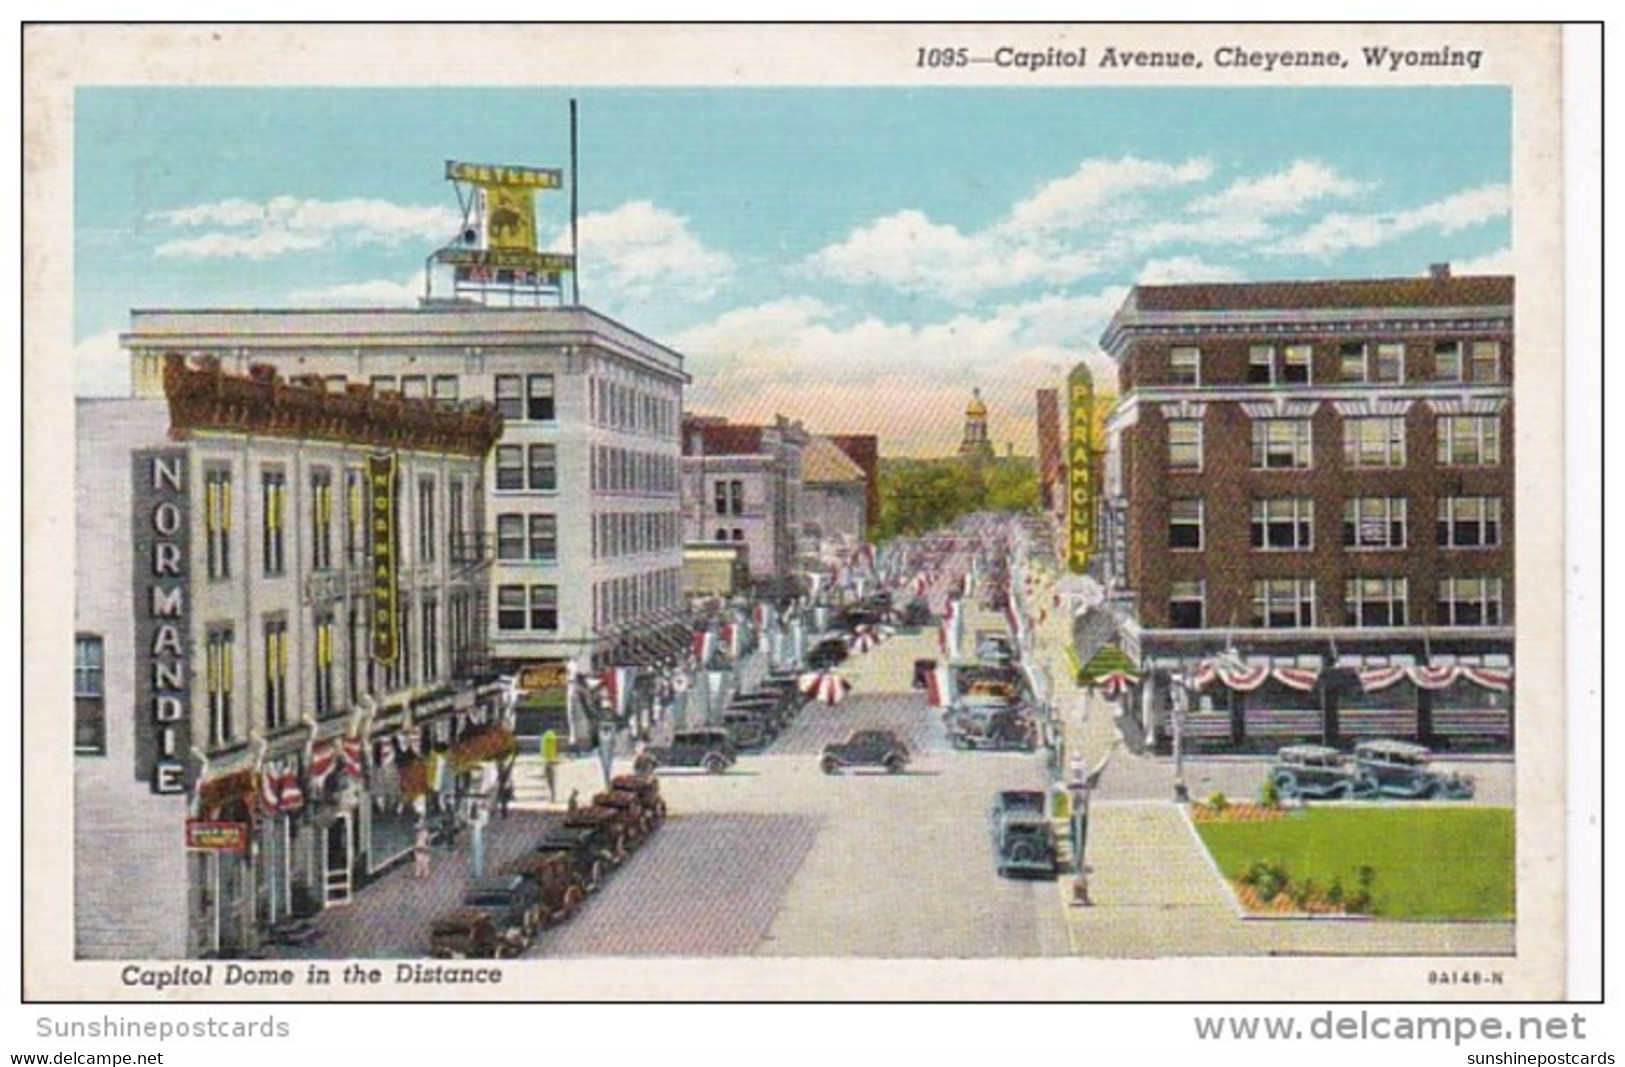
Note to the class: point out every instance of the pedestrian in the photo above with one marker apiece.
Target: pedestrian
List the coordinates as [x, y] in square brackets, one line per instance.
[575, 800]
[476, 847]
[420, 850]
[504, 795]
[550, 764]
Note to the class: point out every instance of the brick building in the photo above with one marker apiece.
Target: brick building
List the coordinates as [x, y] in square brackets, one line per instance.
[743, 484]
[1313, 484]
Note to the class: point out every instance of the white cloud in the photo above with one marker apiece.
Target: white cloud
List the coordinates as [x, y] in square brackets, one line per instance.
[101, 367]
[1341, 232]
[380, 292]
[1282, 193]
[909, 383]
[1178, 270]
[260, 230]
[640, 249]
[1079, 198]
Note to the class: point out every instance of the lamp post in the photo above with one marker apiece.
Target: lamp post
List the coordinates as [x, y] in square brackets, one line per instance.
[1082, 787]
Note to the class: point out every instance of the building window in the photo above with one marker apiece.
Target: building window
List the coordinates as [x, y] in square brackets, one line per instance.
[1469, 522]
[1374, 442]
[510, 537]
[1187, 603]
[1469, 440]
[1261, 365]
[544, 467]
[544, 607]
[384, 384]
[276, 674]
[1374, 522]
[356, 527]
[539, 398]
[510, 467]
[1447, 361]
[1185, 524]
[510, 396]
[403, 657]
[1485, 366]
[738, 534]
[359, 635]
[274, 499]
[428, 534]
[1298, 363]
[325, 701]
[89, 695]
[1351, 360]
[1284, 524]
[1282, 444]
[1185, 366]
[1469, 602]
[1184, 444]
[336, 383]
[217, 520]
[414, 387]
[1375, 601]
[1390, 363]
[722, 535]
[544, 538]
[431, 639]
[445, 389]
[321, 519]
[1284, 603]
[219, 669]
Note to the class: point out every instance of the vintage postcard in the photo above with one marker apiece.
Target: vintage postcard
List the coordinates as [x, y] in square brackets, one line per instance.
[1038, 512]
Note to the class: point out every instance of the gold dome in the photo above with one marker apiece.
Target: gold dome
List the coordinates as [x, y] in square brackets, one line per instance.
[977, 409]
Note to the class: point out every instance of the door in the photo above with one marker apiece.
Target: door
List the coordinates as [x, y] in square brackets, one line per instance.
[337, 862]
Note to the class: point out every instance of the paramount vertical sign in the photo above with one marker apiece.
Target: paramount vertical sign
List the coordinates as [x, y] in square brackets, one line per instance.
[386, 585]
[1082, 491]
[161, 521]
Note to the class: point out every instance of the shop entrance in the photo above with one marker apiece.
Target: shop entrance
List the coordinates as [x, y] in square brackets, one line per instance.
[338, 861]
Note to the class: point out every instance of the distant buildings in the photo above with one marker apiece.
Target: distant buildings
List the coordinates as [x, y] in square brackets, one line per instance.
[1313, 489]
[976, 447]
[835, 494]
[743, 484]
[277, 608]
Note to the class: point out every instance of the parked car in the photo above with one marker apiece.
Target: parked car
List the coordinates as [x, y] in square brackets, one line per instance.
[560, 886]
[827, 653]
[1318, 772]
[470, 933]
[589, 850]
[997, 648]
[750, 730]
[917, 614]
[866, 748]
[612, 827]
[513, 902]
[647, 787]
[1403, 769]
[637, 819]
[992, 726]
[1023, 835]
[711, 749]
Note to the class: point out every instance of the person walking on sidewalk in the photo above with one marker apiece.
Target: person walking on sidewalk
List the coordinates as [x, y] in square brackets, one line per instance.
[550, 764]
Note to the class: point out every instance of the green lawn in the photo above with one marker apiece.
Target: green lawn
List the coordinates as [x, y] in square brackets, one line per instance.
[1431, 863]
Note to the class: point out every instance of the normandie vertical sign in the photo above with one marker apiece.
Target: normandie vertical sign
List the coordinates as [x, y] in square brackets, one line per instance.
[386, 586]
[1082, 492]
[161, 521]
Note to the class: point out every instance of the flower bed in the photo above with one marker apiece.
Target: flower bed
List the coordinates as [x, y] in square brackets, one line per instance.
[1239, 811]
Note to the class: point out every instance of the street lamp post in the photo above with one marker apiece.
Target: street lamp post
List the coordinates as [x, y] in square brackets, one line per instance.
[1082, 788]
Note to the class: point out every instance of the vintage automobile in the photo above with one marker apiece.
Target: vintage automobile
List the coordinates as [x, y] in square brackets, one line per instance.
[589, 851]
[561, 888]
[612, 827]
[1403, 769]
[1318, 772]
[470, 933]
[993, 726]
[513, 902]
[995, 647]
[647, 787]
[866, 748]
[828, 652]
[1023, 835]
[635, 818]
[916, 615]
[750, 730]
[710, 748]
[987, 678]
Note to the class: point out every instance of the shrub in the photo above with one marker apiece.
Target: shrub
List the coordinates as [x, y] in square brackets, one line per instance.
[1218, 802]
[1270, 795]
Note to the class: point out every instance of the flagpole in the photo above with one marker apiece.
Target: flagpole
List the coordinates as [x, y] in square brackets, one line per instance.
[575, 204]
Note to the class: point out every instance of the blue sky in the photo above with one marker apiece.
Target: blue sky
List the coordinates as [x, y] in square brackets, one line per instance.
[860, 259]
